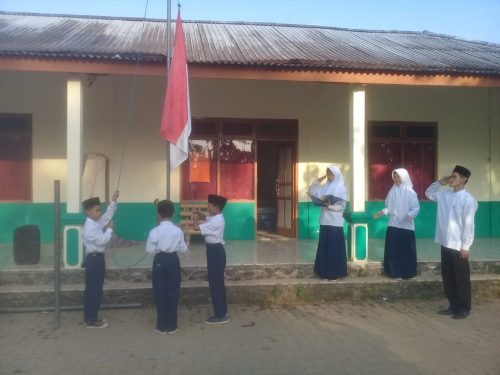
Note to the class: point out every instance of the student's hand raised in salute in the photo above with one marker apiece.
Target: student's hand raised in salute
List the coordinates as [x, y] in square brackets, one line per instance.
[444, 180]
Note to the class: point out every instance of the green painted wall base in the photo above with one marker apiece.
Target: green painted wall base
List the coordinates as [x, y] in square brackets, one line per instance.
[487, 220]
[135, 220]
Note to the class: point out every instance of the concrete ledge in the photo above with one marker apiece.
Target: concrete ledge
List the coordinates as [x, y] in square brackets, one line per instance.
[233, 273]
[266, 292]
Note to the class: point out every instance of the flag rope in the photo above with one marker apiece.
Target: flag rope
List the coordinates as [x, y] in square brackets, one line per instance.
[132, 96]
[129, 126]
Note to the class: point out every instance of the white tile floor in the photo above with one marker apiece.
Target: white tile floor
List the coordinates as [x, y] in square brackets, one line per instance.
[264, 250]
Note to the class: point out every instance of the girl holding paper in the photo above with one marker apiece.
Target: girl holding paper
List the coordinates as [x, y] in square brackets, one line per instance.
[331, 258]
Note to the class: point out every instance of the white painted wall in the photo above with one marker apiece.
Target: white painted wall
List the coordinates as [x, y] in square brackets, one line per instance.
[466, 117]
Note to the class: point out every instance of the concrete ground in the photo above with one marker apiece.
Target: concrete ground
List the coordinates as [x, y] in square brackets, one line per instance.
[367, 338]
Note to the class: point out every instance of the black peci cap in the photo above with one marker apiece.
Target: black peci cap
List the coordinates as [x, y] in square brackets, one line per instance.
[462, 171]
[91, 202]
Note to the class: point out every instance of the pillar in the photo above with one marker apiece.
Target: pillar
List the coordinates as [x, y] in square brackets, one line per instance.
[73, 219]
[358, 220]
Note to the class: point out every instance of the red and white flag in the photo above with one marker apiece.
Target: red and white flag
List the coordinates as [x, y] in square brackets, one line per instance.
[176, 118]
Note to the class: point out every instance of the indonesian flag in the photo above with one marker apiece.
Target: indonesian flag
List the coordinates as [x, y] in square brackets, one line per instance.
[176, 118]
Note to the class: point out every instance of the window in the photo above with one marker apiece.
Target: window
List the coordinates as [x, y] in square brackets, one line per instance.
[222, 156]
[15, 157]
[200, 173]
[408, 145]
[236, 168]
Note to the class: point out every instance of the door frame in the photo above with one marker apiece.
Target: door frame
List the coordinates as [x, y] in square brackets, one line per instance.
[258, 130]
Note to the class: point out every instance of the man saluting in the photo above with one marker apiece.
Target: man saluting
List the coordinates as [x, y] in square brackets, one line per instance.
[455, 234]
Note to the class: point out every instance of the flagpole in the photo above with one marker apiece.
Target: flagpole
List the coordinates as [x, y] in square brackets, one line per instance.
[169, 55]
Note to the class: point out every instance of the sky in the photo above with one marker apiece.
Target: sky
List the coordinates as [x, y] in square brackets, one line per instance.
[468, 19]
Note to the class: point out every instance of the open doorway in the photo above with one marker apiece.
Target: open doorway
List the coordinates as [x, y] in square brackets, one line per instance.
[275, 188]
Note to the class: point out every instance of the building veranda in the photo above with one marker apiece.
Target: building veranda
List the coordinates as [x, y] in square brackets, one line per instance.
[272, 105]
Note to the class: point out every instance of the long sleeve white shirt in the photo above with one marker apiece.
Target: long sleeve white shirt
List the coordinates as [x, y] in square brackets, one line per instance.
[213, 229]
[333, 214]
[455, 216]
[407, 221]
[95, 238]
[166, 237]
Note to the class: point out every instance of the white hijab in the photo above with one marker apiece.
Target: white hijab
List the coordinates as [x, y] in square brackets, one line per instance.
[399, 197]
[336, 187]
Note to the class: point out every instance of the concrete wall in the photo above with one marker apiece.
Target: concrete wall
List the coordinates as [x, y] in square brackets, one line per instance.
[466, 117]
[468, 126]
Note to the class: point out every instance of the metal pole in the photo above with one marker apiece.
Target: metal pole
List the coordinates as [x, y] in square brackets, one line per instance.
[169, 58]
[7, 310]
[57, 253]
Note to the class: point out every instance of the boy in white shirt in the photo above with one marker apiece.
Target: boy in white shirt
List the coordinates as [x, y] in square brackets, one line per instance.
[164, 241]
[97, 232]
[213, 231]
[455, 234]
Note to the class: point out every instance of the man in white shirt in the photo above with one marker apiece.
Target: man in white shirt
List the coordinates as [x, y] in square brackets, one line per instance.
[455, 233]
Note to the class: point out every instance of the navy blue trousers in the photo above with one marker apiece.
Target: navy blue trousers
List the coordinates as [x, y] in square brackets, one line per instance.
[455, 272]
[166, 287]
[95, 271]
[400, 253]
[216, 264]
[331, 257]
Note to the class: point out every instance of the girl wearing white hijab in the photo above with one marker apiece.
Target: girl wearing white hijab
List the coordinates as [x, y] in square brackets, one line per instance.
[401, 206]
[331, 258]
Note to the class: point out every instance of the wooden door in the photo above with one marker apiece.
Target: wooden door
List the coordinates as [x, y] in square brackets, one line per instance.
[285, 191]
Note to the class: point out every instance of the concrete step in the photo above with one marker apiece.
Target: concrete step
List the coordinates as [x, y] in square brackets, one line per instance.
[233, 273]
[263, 292]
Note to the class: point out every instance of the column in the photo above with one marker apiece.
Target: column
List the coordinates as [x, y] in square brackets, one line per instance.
[73, 219]
[358, 218]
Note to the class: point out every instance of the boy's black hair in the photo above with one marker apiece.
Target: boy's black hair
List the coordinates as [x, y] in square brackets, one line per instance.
[217, 200]
[166, 209]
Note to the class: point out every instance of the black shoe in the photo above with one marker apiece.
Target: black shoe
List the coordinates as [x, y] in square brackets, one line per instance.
[448, 311]
[221, 320]
[462, 314]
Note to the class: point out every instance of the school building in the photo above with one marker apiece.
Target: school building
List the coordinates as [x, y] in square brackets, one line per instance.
[272, 105]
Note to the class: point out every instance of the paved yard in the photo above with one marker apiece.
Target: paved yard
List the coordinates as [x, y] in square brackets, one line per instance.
[368, 338]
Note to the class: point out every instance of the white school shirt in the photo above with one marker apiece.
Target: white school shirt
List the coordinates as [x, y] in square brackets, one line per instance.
[404, 222]
[95, 238]
[333, 214]
[455, 217]
[166, 237]
[213, 229]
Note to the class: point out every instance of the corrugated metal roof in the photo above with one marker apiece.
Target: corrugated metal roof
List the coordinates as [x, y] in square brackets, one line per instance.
[249, 44]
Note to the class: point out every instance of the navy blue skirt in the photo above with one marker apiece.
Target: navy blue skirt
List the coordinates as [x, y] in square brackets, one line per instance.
[331, 258]
[400, 255]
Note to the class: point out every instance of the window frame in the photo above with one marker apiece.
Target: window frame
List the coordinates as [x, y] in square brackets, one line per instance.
[403, 139]
[256, 135]
[26, 131]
